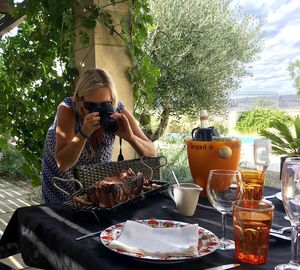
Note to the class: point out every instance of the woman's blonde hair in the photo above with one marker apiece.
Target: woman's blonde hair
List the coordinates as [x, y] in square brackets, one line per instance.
[91, 80]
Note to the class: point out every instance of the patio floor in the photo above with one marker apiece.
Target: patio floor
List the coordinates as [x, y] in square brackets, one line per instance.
[11, 198]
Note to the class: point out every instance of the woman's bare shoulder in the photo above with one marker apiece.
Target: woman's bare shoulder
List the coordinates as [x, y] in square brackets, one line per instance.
[65, 111]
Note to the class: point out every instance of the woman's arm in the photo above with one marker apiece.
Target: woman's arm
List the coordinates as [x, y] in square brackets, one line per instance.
[69, 145]
[130, 131]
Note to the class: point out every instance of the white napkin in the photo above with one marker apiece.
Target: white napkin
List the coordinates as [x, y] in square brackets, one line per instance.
[137, 237]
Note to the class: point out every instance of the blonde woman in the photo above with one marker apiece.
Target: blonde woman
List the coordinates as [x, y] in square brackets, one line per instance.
[79, 136]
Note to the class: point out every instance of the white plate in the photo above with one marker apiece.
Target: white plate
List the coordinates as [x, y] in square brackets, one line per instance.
[278, 195]
[207, 241]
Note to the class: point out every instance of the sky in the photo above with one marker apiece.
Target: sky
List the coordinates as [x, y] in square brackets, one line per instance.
[282, 46]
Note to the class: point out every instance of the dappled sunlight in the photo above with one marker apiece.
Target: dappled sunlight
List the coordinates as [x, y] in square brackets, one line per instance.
[71, 224]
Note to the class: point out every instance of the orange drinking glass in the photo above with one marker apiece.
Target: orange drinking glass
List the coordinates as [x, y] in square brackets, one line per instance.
[253, 184]
[252, 221]
[204, 156]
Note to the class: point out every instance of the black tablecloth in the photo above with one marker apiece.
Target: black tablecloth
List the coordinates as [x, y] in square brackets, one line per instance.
[45, 236]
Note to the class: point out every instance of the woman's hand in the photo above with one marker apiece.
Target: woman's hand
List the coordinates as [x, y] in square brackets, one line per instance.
[124, 130]
[91, 123]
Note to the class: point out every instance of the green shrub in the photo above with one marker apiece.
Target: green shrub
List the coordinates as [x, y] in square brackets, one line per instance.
[172, 138]
[256, 120]
[223, 131]
[12, 163]
[173, 147]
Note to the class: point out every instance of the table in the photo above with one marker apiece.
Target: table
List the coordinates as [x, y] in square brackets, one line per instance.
[45, 236]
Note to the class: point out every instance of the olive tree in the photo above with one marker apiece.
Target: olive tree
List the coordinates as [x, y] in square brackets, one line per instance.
[203, 49]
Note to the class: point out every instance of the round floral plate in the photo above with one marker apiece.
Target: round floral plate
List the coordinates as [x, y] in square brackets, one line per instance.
[207, 241]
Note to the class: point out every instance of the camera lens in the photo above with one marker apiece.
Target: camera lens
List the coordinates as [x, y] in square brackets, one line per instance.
[109, 124]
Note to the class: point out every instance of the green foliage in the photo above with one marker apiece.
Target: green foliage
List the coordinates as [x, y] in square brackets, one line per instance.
[285, 139]
[202, 49]
[4, 138]
[182, 124]
[12, 163]
[174, 148]
[223, 131]
[31, 88]
[143, 73]
[172, 138]
[255, 120]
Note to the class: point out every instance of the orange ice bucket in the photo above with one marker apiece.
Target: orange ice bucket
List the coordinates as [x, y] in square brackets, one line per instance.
[204, 156]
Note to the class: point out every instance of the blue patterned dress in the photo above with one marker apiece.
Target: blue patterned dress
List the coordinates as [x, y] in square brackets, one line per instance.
[103, 153]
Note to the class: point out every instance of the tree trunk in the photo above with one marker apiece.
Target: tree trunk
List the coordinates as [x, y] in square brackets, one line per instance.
[4, 6]
[164, 120]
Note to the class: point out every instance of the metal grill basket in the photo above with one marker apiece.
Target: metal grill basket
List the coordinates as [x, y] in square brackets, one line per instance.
[149, 166]
[87, 175]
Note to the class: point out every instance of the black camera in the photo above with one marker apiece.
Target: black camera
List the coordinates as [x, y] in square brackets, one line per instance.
[105, 110]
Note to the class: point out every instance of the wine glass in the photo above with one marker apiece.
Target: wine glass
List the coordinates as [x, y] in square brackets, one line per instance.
[262, 149]
[290, 189]
[224, 187]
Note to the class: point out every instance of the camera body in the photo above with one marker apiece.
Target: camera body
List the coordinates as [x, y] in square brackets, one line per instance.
[105, 110]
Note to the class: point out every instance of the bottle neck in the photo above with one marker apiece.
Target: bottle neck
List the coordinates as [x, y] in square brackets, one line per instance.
[204, 121]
